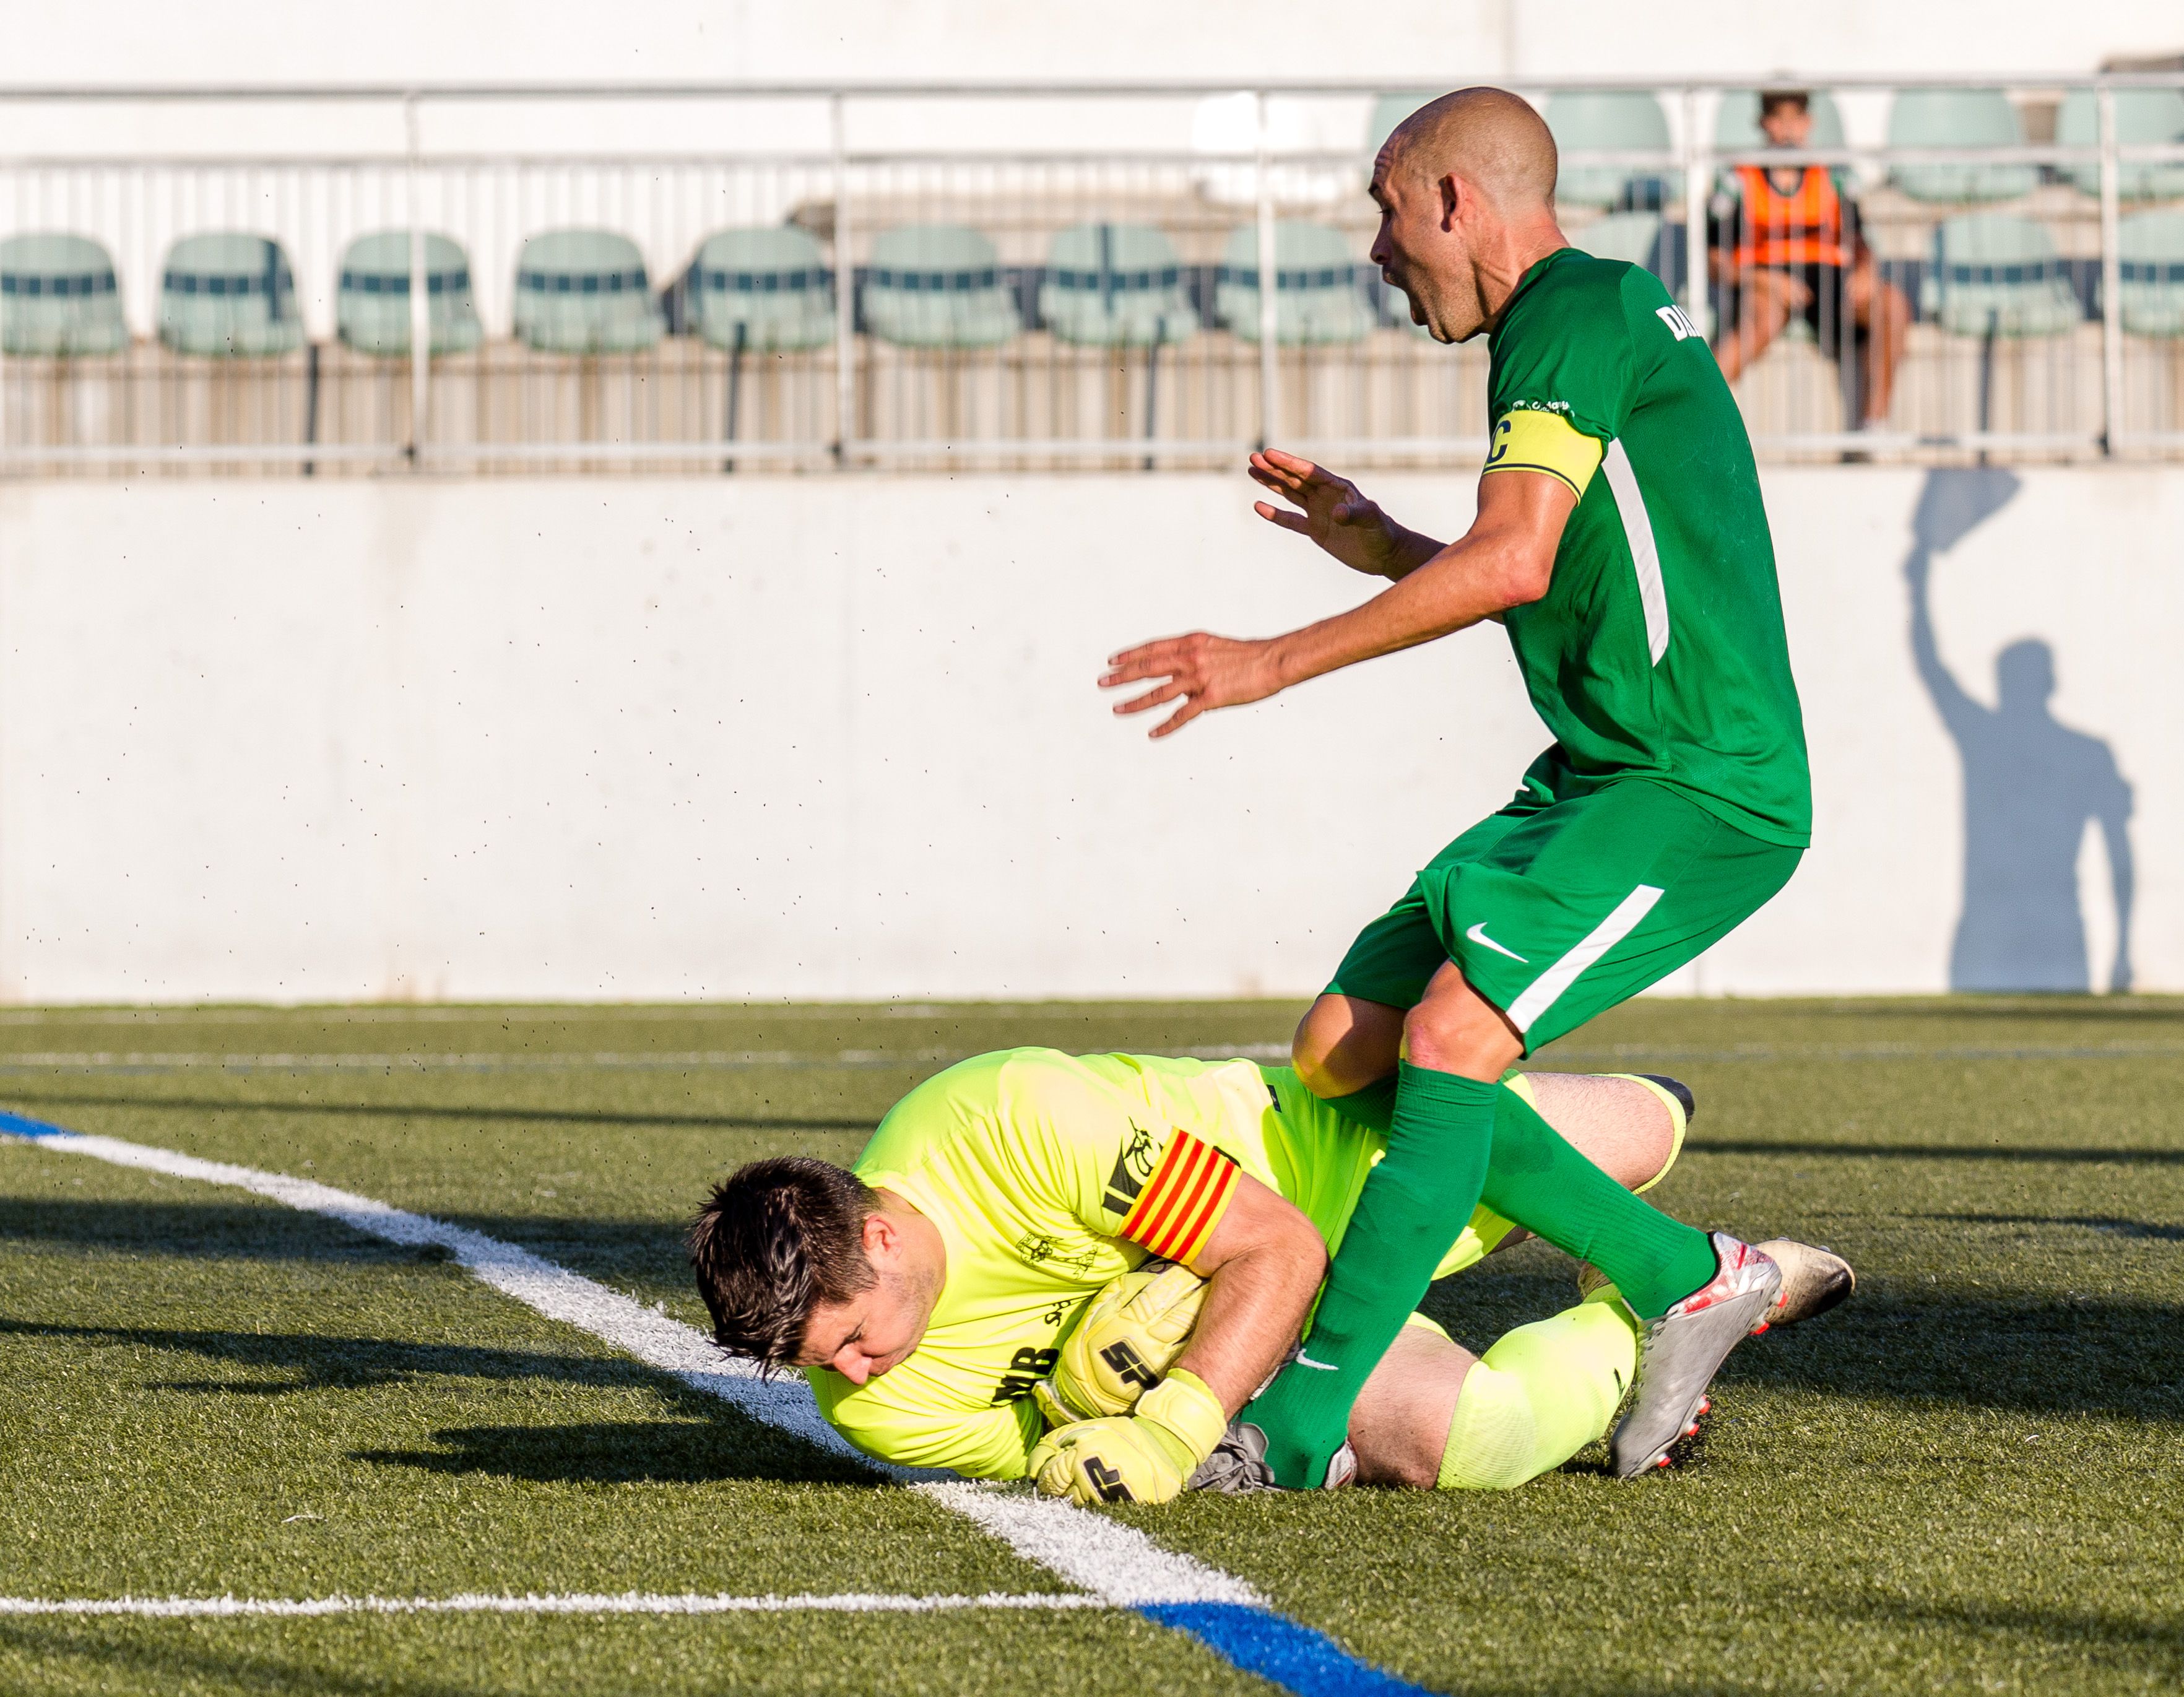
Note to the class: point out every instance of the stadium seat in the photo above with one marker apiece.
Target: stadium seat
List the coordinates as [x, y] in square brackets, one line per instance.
[937, 286]
[58, 297]
[1630, 236]
[1997, 275]
[584, 292]
[1388, 111]
[763, 289]
[1115, 285]
[229, 295]
[2150, 247]
[1957, 118]
[1317, 296]
[371, 305]
[2143, 116]
[1624, 121]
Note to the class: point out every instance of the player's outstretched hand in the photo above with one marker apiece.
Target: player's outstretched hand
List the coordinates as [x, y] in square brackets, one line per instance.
[1330, 509]
[1201, 671]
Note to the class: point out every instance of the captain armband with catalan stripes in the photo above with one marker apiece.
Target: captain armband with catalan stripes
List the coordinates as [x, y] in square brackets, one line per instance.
[1184, 1200]
[1535, 439]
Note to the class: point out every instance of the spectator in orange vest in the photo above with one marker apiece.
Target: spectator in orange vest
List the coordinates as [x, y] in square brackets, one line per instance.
[1786, 245]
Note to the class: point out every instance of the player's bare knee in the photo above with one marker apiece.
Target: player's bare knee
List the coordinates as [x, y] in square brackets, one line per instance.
[1455, 1031]
[1342, 1045]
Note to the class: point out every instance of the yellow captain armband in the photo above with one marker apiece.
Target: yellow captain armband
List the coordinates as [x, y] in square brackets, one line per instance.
[1534, 440]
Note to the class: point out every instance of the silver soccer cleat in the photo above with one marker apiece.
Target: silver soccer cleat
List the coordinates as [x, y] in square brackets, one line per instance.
[1238, 1466]
[1813, 1281]
[1685, 1348]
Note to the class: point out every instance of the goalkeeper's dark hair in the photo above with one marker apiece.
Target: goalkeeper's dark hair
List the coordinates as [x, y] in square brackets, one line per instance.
[781, 1236]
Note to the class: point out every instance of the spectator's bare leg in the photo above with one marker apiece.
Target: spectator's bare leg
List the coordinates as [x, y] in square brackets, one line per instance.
[1880, 311]
[1765, 302]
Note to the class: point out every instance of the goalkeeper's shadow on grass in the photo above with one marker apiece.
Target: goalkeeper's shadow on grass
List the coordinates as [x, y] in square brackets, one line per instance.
[316, 1361]
[721, 1446]
[2022, 1354]
[243, 1232]
[50, 1099]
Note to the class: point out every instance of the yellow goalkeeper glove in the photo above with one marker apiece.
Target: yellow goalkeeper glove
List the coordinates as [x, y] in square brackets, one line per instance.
[1131, 1333]
[1147, 1457]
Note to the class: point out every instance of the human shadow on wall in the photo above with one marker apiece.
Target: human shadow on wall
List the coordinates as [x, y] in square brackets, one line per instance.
[2031, 785]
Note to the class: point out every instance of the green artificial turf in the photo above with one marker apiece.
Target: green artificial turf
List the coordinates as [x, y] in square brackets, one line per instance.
[1969, 1479]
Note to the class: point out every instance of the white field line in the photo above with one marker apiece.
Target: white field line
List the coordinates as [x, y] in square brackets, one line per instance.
[1117, 1563]
[628, 1603]
[100, 1060]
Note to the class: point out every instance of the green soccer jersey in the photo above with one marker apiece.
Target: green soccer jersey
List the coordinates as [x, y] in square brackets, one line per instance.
[1658, 651]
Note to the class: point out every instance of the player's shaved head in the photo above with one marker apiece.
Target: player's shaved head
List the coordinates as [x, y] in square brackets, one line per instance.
[1491, 138]
[1465, 189]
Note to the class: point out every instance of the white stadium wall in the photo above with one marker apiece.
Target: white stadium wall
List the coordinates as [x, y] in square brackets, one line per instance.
[822, 737]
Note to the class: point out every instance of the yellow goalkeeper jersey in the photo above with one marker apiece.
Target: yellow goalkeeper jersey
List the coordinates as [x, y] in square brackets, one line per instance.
[1048, 1175]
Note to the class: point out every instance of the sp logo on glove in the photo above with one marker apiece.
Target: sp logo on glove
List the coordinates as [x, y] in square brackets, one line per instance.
[1145, 1457]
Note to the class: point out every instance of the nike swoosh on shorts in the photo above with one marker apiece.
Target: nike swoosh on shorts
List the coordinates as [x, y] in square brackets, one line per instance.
[1478, 935]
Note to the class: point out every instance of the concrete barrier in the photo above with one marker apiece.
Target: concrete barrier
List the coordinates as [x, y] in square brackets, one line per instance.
[838, 737]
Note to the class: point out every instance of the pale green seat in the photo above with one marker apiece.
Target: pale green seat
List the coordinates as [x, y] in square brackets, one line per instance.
[1630, 237]
[371, 302]
[584, 292]
[1319, 299]
[2150, 250]
[1957, 118]
[765, 289]
[2143, 117]
[1618, 120]
[58, 297]
[937, 286]
[1388, 111]
[1115, 285]
[1736, 121]
[229, 295]
[1994, 274]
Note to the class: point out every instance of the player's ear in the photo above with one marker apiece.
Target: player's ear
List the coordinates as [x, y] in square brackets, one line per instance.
[881, 1238]
[1452, 192]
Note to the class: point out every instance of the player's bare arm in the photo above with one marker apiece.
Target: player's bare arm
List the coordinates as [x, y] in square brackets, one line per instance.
[1262, 1265]
[1339, 517]
[1505, 560]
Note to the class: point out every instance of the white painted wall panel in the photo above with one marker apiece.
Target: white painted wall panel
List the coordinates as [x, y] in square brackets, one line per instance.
[821, 737]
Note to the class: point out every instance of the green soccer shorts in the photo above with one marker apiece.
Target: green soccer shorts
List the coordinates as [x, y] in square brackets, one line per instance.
[1556, 910]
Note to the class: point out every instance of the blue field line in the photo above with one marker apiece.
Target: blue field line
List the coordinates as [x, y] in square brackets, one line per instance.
[1281, 1651]
[1250, 1637]
[19, 1125]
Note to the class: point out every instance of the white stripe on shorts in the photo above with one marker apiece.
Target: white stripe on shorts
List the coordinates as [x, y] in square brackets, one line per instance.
[1558, 978]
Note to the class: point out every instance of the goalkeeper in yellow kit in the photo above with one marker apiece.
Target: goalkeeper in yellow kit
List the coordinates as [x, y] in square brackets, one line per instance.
[1080, 1268]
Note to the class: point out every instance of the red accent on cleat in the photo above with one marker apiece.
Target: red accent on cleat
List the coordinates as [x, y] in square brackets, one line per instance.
[1761, 1327]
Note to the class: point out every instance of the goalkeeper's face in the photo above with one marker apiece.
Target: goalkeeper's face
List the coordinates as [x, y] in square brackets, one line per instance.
[879, 1327]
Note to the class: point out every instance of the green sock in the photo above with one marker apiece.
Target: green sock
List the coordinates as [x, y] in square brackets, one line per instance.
[1373, 1106]
[1537, 1179]
[1414, 1202]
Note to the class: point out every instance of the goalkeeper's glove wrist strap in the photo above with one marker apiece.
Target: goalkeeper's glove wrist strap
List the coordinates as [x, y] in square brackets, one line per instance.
[1182, 1408]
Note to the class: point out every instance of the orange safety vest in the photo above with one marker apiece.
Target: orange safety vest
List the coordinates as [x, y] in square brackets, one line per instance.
[1802, 229]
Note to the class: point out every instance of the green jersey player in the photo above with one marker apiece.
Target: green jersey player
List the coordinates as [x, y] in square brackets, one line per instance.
[1622, 542]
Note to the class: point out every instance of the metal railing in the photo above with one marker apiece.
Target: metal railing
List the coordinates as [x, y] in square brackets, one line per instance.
[1039, 276]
